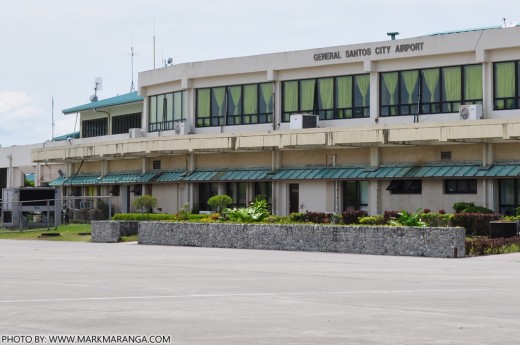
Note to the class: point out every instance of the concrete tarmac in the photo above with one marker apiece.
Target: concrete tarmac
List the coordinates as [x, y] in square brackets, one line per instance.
[228, 296]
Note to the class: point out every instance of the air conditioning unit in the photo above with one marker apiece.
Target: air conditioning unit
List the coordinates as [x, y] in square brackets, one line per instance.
[135, 133]
[180, 128]
[300, 121]
[470, 112]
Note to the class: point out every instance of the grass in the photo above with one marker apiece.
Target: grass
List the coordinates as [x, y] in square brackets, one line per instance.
[71, 232]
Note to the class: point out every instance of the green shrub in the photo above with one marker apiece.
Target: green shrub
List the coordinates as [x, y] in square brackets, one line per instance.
[477, 209]
[372, 220]
[436, 219]
[297, 217]
[184, 212]
[144, 216]
[145, 203]
[405, 218]
[476, 224]
[485, 246]
[461, 206]
[352, 216]
[390, 215]
[219, 202]
[318, 217]
[257, 212]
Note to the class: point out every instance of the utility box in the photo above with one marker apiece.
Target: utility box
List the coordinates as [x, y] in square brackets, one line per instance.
[31, 207]
[300, 121]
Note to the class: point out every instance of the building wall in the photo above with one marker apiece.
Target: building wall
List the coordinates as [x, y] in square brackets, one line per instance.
[432, 197]
[168, 198]
[234, 160]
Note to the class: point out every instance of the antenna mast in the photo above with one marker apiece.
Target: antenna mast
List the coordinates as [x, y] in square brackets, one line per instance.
[52, 118]
[153, 42]
[132, 88]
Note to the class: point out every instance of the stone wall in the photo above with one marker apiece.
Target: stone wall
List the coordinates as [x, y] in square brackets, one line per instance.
[404, 241]
[110, 231]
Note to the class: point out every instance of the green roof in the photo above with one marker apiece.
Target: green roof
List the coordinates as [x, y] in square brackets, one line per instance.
[126, 178]
[170, 176]
[227, 175]
[398, 171]
[128, 98]
[74, 135]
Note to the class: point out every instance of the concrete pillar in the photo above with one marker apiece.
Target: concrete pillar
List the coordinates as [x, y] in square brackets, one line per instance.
[374, 197]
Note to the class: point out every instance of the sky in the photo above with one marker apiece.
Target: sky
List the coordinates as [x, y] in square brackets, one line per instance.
[51, 51]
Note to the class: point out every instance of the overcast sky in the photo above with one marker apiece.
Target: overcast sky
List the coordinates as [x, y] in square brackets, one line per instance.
[56, 48]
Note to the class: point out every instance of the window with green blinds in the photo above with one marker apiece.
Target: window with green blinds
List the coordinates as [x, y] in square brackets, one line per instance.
[430, 91]
[331, 98]
[234, 105]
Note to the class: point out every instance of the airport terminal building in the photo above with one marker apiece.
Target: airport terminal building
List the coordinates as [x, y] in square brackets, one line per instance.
[400, 124]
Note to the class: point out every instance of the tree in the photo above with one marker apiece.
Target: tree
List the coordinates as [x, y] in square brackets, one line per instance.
[219, 202]
[145, 203]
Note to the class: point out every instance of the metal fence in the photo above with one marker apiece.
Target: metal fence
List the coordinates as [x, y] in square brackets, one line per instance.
[51, 213]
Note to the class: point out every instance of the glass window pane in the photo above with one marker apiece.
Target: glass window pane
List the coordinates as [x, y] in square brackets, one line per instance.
[152, 117]
[507, 192]
[389, 88]
[178, 106]
[307, 95]
[473, 82]
[160, 108]
[505, 79]
[290, 96]
[362, 86]
[218, 98]
[363, 192]
[234, 98]
[452, 84]
[203, 102]
[266, 100]
[169, 107]
[250, 99]
[344, 92]
[431, 91]
[409, 87]
[326, 93]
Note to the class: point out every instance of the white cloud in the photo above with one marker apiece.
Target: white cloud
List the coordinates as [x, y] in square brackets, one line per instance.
[10, 101]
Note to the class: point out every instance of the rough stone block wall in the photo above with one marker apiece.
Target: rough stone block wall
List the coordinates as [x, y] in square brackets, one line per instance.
[105, 231]
[403, 241]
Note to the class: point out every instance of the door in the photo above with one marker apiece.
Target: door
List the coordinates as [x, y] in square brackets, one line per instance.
[294, 198]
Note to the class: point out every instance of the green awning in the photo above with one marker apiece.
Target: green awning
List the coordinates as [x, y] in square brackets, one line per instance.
[88, 180]
[170, 176]
[386, 172]
[227, 175]
[57, 182]
[389, 172]
[315, 173]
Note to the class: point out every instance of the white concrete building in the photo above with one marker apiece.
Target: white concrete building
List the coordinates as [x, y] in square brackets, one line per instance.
[401, 124]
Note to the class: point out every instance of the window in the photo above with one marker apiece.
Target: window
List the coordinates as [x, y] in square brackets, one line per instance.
[115, 190]
[430, 91]
[137, 190]
[234, 105]
[332, 97]
[355, 195]
[509, 196]
[165, 110]
[122, 124]
[237, 192]
[506, 94]
[206, 191]
[94, 128]
[460, 186]
[156, 164]
[405, 187]
[263, 190]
